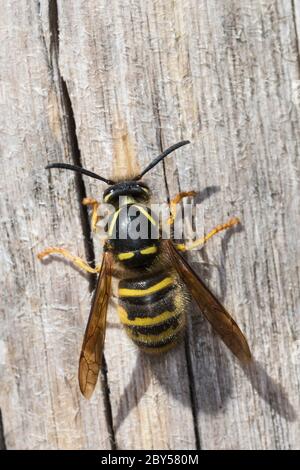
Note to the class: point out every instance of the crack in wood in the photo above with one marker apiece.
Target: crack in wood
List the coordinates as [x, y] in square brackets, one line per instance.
[192, 390]
[296, 33]
[80, 186]
[2, 435]
[189, 368]
[80, 189]
[235, 63]
[161, 150]
[191, 384]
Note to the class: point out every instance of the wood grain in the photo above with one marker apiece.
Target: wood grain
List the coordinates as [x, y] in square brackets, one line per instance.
[109, 84]
[43, 306]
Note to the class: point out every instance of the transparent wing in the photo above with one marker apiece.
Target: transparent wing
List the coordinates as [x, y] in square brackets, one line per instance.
[211, 308]
[93, 341]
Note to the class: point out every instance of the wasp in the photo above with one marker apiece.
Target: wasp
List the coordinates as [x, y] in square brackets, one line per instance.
[156, 282]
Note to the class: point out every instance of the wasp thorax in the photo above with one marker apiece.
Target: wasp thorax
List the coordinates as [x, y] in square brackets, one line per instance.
[134, 234]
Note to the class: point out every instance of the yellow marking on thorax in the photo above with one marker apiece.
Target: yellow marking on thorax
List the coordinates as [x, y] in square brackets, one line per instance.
[113, 222]
[141, 292]
[125, 201]
[143, 211]
[154, 338]
[130, 254]
[145, 321]
[127, 255]
[180, 247]
[149, 250]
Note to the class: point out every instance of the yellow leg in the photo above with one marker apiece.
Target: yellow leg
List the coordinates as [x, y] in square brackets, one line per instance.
[74, 259]
[201, 241]
[88, 201]
[177, 199]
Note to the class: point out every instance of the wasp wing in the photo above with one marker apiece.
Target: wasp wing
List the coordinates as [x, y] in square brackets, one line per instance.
[93, 341]
[211, 308]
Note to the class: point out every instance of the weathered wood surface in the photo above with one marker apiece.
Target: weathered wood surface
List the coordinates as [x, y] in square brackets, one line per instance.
[224, 74]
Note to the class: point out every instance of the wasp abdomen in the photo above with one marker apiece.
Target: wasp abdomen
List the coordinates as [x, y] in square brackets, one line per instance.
[152, 310]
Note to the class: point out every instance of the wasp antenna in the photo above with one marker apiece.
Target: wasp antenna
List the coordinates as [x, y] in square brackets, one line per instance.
[162, 156]
[79, 169]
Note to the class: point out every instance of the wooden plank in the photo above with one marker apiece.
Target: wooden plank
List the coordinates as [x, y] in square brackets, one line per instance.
[43, 306]
[210, 72]
[244, 70]
[147, 400]
[140, 76]
[296, 16]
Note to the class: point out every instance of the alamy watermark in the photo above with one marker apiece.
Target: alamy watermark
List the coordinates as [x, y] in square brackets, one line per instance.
[138, 221]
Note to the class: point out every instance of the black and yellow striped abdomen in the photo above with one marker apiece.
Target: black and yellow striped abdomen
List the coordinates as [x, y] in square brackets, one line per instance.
[152, 310]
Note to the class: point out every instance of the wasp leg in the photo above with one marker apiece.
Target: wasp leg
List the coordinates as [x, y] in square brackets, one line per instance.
[80, 263]
[201, 241]
[177, 199]
[88, 201]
